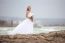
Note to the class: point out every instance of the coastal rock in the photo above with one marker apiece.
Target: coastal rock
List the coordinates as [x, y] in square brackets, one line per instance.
[52, 37]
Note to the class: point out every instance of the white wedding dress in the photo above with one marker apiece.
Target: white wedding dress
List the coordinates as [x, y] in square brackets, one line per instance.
[25, 27]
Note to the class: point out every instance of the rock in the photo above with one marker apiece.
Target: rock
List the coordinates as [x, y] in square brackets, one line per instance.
[52, 37]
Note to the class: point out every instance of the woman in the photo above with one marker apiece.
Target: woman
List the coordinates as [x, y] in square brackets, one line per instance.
[26, 27]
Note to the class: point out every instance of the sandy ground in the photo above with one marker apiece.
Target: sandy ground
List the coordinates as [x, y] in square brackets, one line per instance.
[52, 37]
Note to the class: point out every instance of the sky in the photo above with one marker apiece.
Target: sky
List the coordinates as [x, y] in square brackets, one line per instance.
[40, 8]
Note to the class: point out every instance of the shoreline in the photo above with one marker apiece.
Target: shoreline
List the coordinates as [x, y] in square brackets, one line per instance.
[52, 37]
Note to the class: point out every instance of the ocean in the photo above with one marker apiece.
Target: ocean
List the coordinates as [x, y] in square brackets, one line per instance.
[45, 29]
[41, 25]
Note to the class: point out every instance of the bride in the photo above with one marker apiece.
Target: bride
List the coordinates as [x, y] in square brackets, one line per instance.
[26, 27]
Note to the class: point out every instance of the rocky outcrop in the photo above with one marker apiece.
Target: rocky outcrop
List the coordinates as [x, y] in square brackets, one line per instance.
[52, 37]
[8, 23]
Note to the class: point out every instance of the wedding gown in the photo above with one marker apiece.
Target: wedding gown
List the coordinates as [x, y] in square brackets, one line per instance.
[25, 27]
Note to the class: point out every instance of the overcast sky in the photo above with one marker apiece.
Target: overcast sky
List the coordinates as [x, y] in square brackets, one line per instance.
[40, 8]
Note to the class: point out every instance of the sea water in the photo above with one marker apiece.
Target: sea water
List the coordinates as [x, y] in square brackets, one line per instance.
[36, 30]
[47, 25]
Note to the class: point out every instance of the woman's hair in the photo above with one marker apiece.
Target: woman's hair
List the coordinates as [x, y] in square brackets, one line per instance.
[29, 8]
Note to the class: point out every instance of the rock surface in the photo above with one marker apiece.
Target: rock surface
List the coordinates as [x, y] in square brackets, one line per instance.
[52, 37]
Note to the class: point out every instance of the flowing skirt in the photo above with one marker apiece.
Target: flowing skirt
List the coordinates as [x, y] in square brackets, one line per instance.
[26, 27]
